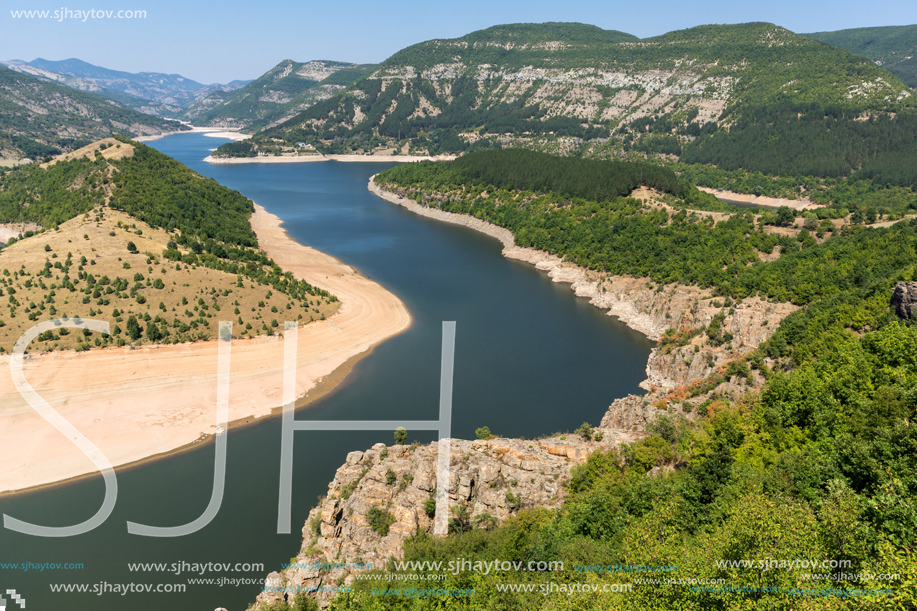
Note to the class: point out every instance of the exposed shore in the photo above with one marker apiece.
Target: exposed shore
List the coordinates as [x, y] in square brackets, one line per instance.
[803, 203]
[635, 302]
[315, 158]
[213, 132]
[140, 403]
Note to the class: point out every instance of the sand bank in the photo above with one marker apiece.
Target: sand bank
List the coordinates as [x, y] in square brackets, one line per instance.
[802, 203]
[213, 132]
[138, 403]
[312, 158]
[229, 134]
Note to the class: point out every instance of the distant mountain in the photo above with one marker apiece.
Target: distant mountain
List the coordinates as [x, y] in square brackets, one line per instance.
[283, 91]
[578, 89]
[149, 92]
[892, 47]
[39, 118]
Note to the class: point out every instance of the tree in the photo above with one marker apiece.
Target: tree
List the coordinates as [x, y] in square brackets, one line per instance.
[401, 435]
[810, 222]
[131, 247]
[133, 328]
[153, 333]
[785, 216]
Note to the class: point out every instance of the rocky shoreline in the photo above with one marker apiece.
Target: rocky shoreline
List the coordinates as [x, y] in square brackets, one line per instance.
[639, 303]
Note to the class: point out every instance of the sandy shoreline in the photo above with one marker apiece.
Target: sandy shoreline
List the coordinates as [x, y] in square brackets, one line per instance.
[315, 158]
[213, 132]
[140, 403]
[802, 203]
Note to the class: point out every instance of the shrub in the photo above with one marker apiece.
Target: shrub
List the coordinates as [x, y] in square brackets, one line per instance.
[379, 520]
[390, 477]
[585, 429]
[401, 435]
[483, 433]
[513, 501]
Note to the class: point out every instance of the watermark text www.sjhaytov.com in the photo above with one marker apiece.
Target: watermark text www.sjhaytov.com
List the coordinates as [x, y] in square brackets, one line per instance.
[40, 566]
[66, 14]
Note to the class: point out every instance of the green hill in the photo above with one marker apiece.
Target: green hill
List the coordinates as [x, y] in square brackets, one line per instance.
[129, 233]
[285, 90]
[39, 118]
[892, 47]
[577, 89]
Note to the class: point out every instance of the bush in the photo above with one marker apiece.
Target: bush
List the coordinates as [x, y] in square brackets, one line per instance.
[513, 501]
[379, 520]
[483, 433]
[585, 429]
[429, 507]
[401, 435]
[132, 248]
[390, 477]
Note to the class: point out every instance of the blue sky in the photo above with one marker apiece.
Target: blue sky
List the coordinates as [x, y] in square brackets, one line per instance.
[221, 41]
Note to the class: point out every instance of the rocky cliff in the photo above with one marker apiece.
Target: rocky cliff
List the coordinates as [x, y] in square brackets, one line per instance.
[491, 479]
[904, 299]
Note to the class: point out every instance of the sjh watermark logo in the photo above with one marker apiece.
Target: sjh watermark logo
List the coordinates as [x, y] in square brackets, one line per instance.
[289, 427]
[16, 598]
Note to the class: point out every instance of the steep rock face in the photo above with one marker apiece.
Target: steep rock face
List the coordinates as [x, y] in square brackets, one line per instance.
[904, 299]
[495, 477]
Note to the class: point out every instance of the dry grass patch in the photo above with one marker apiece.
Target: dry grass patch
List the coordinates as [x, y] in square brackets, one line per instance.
[85, 269]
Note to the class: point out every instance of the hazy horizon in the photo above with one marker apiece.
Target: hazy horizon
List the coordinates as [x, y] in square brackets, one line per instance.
[212, 43]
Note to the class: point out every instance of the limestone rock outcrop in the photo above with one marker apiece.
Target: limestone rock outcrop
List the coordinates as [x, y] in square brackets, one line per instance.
[904, 299]
[491, 479]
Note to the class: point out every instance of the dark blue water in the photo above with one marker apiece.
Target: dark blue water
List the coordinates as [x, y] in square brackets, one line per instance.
[531, 359]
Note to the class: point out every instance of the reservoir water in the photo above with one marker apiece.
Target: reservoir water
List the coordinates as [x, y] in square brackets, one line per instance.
[531, 359]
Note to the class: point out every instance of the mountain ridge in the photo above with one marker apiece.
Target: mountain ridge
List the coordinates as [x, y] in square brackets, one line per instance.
[42, 118]
[157, 93]
[893, 47]
[578, 89]
[278, 94]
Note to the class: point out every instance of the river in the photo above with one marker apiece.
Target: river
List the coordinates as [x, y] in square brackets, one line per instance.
[531, 359]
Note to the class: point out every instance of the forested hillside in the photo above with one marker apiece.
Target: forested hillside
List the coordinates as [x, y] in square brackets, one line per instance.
[579, 209]
[285, 90]
[799, 495]
[39, 119]
[577, 89]
[155, 93]
[186, 240]
[892, 47]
